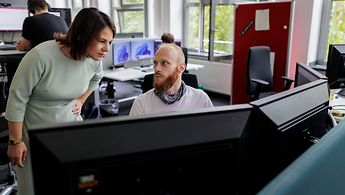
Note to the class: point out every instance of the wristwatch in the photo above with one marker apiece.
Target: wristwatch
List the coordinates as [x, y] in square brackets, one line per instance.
[13, 141]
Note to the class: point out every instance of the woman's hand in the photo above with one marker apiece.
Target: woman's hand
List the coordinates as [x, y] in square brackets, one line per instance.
[17, 154]
[76, 108]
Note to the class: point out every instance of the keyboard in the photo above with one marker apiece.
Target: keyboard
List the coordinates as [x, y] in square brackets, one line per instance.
[8, 47]
[147, 69]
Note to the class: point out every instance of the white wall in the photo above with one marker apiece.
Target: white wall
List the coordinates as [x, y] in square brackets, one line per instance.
[151, 5]
[214, 76]
[57, 3]
[176, 18]
[315, 31]
[306, 31]
[165, 16]
[104, 7]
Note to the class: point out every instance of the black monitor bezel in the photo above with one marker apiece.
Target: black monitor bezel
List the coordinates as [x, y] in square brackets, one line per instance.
[309, 70]
[65, 13]
[190, 143]
[335, 71]
[283, 128]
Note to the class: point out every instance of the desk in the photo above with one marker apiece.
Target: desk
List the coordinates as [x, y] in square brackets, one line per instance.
[122, 74]
[11, 52]
[10, 59]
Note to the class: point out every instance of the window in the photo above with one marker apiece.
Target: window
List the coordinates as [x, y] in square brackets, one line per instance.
[209, 28]
[77, 5]
[129, 15]
[333, 31]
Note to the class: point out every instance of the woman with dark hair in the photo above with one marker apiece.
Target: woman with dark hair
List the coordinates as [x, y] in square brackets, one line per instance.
[52, 83]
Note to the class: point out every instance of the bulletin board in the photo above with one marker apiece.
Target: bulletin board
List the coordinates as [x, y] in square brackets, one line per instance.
[273, 32]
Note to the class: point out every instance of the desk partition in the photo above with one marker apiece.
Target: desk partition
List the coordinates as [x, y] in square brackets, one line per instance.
[320, 170]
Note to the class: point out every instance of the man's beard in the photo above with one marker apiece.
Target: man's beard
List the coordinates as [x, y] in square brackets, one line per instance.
[167, 83]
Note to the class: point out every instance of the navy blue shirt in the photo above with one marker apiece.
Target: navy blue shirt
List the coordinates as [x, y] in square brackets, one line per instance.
[41, 27]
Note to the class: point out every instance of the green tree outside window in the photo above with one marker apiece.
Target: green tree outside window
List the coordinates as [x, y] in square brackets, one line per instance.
[336, 33]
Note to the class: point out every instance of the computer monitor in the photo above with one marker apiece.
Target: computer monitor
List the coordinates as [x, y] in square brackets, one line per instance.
[335, 71]
[178, 42]
[142, 49]
[157, 42]
[286, 125]
[121, 52]
[306, 74]
[12, 18]
[65, 13]
[196, 152]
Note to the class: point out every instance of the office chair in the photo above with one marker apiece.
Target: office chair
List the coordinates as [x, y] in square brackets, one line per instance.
[260, 76]
[188, 79]
[185, 52]
[8, 182]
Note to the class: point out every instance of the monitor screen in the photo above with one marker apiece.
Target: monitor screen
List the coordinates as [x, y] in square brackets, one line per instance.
[65, 13]
[287, 124]
[12, 18]
[121, 51]
[142, 49]
[335, 71]
[157, 42]
[306, 74]
[178, 42]
[177, 153]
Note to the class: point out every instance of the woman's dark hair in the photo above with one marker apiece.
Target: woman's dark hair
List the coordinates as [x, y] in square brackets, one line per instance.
[85, 27]
[167, 38]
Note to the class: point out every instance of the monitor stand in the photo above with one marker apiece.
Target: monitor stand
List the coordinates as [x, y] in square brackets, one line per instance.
[341, 92]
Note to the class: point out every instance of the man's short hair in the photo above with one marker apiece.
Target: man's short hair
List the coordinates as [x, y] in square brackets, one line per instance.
[178, 50]
[37, 5]
[167, 38]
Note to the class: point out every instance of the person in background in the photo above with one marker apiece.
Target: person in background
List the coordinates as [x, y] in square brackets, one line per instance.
[53, 81]
[169, 38]
[40, 27]
[169, 92]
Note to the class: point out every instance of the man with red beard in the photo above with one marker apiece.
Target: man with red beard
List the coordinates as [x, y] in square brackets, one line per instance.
[169, 93]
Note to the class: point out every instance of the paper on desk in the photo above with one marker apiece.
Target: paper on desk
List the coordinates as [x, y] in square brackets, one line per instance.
[262, 21]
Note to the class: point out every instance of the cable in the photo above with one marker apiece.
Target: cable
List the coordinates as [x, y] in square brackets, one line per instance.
[3, 83]
[338, 80]
[337, 106]
[2, 34]
[12, 37]
[333, 121]
[338, 109]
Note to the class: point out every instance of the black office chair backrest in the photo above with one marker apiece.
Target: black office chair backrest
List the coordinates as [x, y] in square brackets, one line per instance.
[185, 52]
[259, 67]
[188, 79]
